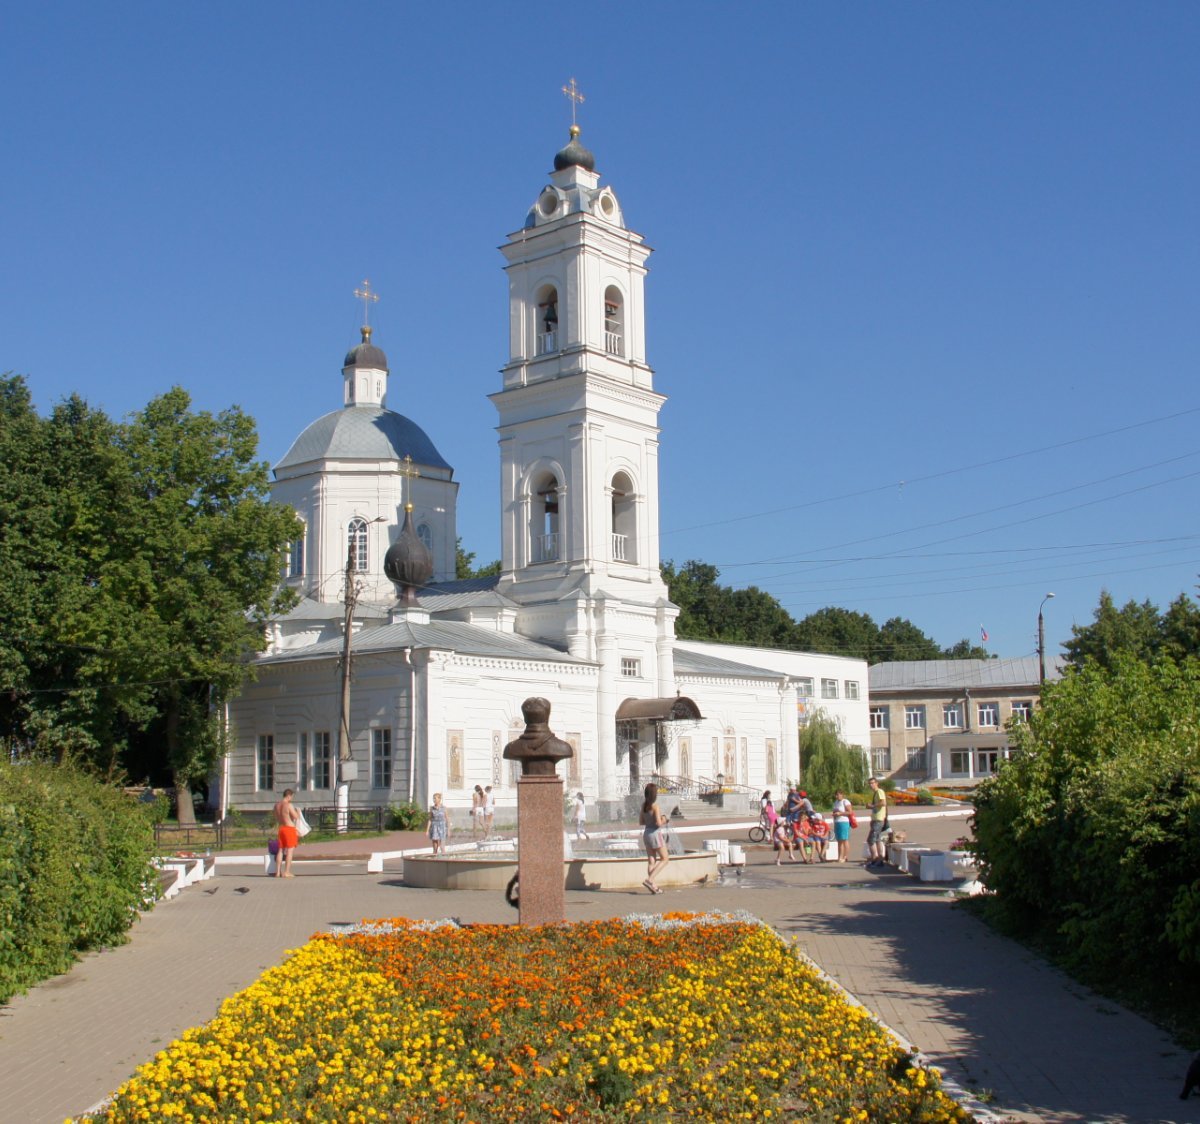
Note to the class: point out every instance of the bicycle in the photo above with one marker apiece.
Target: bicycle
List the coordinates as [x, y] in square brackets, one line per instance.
[761, 831]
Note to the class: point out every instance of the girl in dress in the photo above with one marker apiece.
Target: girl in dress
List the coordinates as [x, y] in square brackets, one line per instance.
[580, 816]
[437, 825]
[478, 810]
[781, 835]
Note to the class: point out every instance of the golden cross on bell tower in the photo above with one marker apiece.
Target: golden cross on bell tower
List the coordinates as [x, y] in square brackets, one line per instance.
[368, 298]
[572, 92]
[409, 471]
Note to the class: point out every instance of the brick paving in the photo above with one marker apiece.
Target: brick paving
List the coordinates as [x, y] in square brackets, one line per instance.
[991, 1015]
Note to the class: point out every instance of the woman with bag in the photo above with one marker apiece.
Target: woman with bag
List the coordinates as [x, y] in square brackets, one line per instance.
[843, 816]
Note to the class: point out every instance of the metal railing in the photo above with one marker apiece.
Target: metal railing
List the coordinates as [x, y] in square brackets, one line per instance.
[241, 833]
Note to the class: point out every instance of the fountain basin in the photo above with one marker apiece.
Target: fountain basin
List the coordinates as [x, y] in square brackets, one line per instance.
[486, 872]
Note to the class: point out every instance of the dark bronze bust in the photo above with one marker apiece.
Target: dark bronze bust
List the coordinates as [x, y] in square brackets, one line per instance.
[537, 748]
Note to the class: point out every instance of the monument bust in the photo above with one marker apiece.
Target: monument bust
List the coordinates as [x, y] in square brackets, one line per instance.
[537, 748]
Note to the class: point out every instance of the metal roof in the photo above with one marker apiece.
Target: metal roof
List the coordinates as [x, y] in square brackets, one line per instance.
[363, 433]
[454, 636]
[948, 675]
[699, 663]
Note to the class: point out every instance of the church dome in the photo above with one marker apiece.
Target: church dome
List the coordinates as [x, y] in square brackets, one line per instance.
[366, 354]
[363, 433]
[574, 154]
[408, 562]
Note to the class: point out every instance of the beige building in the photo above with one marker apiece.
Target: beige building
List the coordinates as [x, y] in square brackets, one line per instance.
[945, 721]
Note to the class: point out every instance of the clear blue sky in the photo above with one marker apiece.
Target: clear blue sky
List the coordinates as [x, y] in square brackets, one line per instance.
[924, 298]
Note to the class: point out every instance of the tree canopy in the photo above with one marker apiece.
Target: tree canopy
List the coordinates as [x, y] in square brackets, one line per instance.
[1137, 629]
[464, 564]
[140, 562]
[711, 611]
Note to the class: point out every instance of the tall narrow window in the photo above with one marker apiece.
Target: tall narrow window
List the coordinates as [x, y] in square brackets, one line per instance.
[544, 521]
[357, 535]
[265, 772]
[624, 519]
[381, 758]
[320, 759]
[614, 321]
[546, 328]
[296, 558]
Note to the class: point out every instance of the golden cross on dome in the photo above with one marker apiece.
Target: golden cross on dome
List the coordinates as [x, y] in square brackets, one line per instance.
[368, 298]
[572, 92]
[409, 471]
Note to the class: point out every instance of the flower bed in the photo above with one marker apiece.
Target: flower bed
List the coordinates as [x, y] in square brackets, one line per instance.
[710, 1016]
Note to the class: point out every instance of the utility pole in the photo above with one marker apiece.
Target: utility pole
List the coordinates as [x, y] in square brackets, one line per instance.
[344, 769]
[1042, 640]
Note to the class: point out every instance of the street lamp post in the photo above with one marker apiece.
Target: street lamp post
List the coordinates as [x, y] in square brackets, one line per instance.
[1042, 640]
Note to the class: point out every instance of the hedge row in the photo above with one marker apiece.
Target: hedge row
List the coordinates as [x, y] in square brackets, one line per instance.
[74, 869]
[1090, 836]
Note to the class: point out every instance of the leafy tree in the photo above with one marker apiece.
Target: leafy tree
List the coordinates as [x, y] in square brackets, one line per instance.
[900, 639]
[827, 763]
[1090, 836]
[1136, 629]
[710, 611]
[464, 564]
[841, 632]
[965, 650]
[140, 563]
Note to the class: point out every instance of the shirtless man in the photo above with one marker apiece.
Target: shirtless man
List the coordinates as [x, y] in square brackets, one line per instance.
[286, 817]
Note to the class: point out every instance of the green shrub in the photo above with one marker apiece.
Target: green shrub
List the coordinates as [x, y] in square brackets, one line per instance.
[924, 796]
[74, 869]
[1090, 835]
[407, 816]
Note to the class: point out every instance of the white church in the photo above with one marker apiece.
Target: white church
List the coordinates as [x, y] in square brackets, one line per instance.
[579, 613]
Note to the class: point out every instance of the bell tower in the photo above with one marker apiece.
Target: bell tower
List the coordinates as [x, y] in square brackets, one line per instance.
[578, 425]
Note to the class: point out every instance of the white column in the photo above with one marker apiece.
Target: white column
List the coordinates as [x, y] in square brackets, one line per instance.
[606, 718]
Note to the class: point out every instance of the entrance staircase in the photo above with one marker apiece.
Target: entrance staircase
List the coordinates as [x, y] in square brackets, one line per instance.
[734, 807]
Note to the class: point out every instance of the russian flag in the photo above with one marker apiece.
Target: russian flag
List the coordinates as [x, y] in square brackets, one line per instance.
[983, 634]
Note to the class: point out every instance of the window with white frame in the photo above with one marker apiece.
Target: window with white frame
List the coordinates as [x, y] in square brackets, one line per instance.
[1022, 709]
[851, 686]
[914, 717]
[989, 714]
[264, 779]
[296, 558]
[381, 758]
[878, 716]
[356, 535]
[986, 761]
[804, 687]
[631, 669]
[829, 689]
[881, 759]
[952, 716]
[960, 762]
[917, 759]
[321, 759]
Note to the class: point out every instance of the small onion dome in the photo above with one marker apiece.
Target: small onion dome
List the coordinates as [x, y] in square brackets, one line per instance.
[366, 354]
[574, 154]
[408, 562]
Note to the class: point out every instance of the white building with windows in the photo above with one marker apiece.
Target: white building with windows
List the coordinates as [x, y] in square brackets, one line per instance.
[579, 613]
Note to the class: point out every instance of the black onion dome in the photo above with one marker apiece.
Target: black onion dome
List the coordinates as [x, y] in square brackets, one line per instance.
[574, 154]
[366, 354]
[408, 562]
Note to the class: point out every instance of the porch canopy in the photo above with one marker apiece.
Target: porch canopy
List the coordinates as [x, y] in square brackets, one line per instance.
[677, 709]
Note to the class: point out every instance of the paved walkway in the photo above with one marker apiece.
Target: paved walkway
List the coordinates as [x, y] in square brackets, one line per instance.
[994, 1017]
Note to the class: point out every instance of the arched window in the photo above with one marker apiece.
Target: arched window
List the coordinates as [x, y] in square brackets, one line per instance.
[357, 543]
[624, 519]
[546, 328]
[544, 519]
[614, 321]
[426, 536]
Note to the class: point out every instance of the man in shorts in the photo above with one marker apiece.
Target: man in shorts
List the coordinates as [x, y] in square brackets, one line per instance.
[878, 823]
[286, 816]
